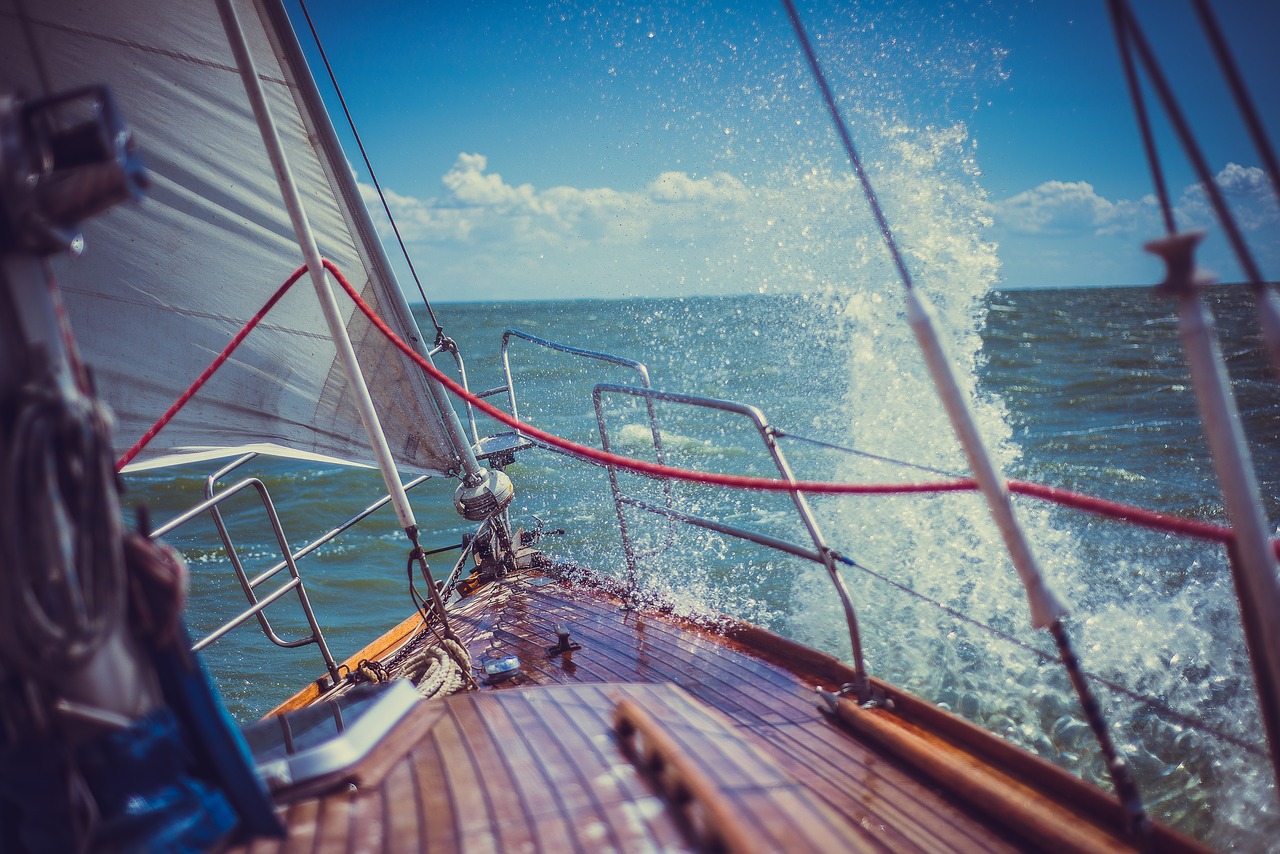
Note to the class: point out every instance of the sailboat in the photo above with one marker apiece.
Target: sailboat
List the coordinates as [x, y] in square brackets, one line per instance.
[524, 704]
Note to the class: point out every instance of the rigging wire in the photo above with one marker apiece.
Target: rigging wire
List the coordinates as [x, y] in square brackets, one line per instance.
[1132, 36]
[1252, 561]
[1064, 497]
[1044, 606]
[1047, 611]
[1130, 33]
[1119, 25]
[440, 336]
[1245, 104]
[847, 141]
[781, 434]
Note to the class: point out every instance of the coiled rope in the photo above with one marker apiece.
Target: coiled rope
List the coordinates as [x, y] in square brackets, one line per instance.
[437, 671]
[67, 588]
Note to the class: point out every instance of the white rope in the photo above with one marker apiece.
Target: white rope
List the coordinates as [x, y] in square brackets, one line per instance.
[437, 671]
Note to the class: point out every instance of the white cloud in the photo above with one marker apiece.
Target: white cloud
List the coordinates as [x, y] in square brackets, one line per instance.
[678, 187]
[469, 186]
[476, 204]
[482, 232]
[1075, 209]
[418, 221]
[1248, 193]
[1061, 207]
[1068, 233]
[483, 237]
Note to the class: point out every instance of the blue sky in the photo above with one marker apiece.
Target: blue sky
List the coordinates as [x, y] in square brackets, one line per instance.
[613, 149]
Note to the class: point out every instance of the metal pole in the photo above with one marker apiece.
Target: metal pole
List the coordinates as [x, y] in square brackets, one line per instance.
[1253, 566]
[327, 138]
[311, 254]
[1046, 608]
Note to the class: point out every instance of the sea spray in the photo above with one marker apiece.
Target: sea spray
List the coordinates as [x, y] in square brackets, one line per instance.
[944, 550]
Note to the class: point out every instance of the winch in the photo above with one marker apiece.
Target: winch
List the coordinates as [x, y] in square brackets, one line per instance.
[483, 494]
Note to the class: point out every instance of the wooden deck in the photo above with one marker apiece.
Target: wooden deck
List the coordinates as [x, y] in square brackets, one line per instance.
[534, 763]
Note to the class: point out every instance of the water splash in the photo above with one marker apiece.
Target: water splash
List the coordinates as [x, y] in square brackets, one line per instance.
[1136, 624]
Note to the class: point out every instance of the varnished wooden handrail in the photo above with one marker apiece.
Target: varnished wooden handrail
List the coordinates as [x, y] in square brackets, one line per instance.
[683, 781]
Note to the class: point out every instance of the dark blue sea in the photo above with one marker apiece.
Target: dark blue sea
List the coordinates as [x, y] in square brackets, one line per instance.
[1078, 388]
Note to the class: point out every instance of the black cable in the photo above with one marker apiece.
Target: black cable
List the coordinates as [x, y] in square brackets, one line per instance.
[842, 128]
[368, 165]
[1119, 26]
[1132, 31]
[1136, 822]
[1235, 82]
[419, 601]
[865, 454]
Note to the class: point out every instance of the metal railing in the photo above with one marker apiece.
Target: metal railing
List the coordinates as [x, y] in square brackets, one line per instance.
[452, 350]
[820, 553]
[638, 367]
[250, 585]
[641, 371]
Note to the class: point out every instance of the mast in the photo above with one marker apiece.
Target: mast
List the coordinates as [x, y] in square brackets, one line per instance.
[344, 182]
[315, 267]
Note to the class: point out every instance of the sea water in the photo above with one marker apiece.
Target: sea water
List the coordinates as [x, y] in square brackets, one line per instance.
[1079, 388]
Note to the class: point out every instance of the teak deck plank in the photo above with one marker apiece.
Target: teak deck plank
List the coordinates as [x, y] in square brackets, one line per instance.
[433, 800]
[619, 786]
[775, 705]
[625, 646]
[367, 828]
[399, 799]
[507, 769]
[528, 785]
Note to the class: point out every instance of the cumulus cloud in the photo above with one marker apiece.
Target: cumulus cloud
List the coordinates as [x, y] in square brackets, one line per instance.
[481, 227]
[476, 205]
[468, 185]
[677, 187]
[1062, 231]
[683, 232]
[1248, 192]
[1075, 208]
[1061, 207]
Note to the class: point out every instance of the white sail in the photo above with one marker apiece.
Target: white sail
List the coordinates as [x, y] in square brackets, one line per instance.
[151, 314]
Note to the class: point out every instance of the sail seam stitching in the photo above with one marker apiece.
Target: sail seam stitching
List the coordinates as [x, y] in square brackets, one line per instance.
[122, 42]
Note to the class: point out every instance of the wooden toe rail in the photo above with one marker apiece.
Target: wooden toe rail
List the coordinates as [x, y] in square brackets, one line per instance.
[1051, 826]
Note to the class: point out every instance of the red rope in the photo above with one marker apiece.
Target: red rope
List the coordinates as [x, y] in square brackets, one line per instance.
[1127, 513]
[208, 372]
[1065, 497]
[640, 466]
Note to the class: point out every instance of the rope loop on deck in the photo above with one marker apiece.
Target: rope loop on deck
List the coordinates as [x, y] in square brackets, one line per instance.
[437, 671]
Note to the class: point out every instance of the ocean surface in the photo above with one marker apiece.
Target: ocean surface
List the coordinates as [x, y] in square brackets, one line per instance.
[1082, 388]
